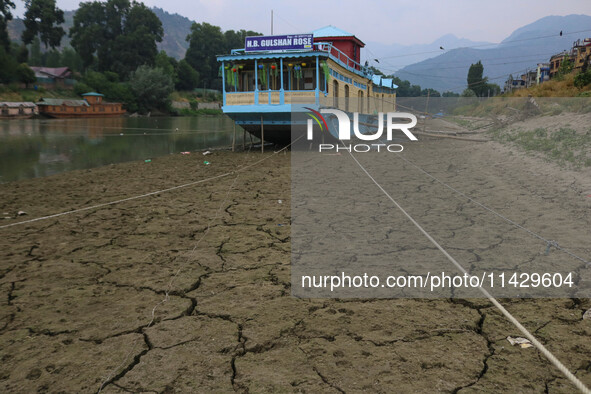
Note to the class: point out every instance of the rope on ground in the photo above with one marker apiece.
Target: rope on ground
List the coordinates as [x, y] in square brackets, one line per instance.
[450, 136]
[143, 195]
[580, 385]
[112, 375]
[547, 241]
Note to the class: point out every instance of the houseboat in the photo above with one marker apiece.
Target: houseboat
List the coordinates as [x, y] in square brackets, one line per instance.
[91, 106]
[17, 110]
[273, 76]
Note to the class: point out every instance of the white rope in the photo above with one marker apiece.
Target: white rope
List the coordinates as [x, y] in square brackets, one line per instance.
[548, 242]
[144, 195]
[116, 202]
[109, 378]
[580, 385]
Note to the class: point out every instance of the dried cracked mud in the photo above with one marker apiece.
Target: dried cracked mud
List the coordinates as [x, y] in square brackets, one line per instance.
[189, 290]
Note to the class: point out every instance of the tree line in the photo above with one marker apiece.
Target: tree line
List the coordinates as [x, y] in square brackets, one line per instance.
[113, 51]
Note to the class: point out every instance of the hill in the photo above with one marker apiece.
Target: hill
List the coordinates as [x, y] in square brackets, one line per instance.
[176, 28]
[521, 50]
[396, 56]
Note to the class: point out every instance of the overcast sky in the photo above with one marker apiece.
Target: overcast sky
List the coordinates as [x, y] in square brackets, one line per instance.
[396, 21]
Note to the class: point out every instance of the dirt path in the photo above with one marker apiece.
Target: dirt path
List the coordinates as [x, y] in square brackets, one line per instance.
[78, 292]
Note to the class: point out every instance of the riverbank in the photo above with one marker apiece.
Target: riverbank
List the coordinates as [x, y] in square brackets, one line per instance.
[198, 102]
[79, 290]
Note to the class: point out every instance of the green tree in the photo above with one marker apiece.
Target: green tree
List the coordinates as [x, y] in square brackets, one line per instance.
[8, 66]
[43, 18]
[168, 64]
[188, 78]
[235, 39]
[52, 58]
[107, 83]
[118, 35]
[205, 42]
[450, 94]
[468, 93]
[70, 58]
[22, 55]
[566, 67]
[36, 58]
[5, 16]
[25, 74]
[583, 79]
[151, 87]
[430, 92]
[476, 82]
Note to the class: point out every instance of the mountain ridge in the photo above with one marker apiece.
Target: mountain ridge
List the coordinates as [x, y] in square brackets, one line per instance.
[521, 50]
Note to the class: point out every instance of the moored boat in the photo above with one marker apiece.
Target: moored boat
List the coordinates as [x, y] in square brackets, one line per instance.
[91, 106]
[17, 110]
[273, 76]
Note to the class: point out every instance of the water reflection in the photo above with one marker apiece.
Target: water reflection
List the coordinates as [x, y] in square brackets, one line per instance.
[40, 147]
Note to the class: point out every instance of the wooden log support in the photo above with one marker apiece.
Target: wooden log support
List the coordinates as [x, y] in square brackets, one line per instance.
[262, 136]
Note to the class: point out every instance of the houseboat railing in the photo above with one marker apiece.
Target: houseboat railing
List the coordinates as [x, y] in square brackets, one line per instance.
[334, 53]
[288, 96]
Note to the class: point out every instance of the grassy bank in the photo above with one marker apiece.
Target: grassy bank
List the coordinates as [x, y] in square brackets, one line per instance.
[13, 93]
[563, 87]
[565, 145]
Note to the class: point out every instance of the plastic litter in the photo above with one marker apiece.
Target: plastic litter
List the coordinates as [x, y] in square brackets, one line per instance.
[21, 213]
[523, 343]
[185, 153]
[206, 163]
[148, 161]
[206, 153]
[587, 315]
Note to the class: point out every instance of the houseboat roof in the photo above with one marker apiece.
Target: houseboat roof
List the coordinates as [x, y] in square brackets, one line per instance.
[379, 80]
[17, 104]
[93, 94]
[270, 55]
[331, 31]
[334, 32]
[67, 102]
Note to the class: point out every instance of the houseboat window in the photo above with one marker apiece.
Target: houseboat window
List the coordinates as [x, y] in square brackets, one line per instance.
[335, 93]
[360, 103]
[346, 97]
[21, 110]
[4, 111]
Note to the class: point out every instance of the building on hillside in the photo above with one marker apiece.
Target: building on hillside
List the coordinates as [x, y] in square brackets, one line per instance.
[581, 53]
[17, 110]
[542, 73]
[556, 61]
[512, 84]
[53, 76]
[531, 78]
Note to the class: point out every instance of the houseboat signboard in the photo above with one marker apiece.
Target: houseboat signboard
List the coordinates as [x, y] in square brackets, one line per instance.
[264, 83]
[274, 43]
